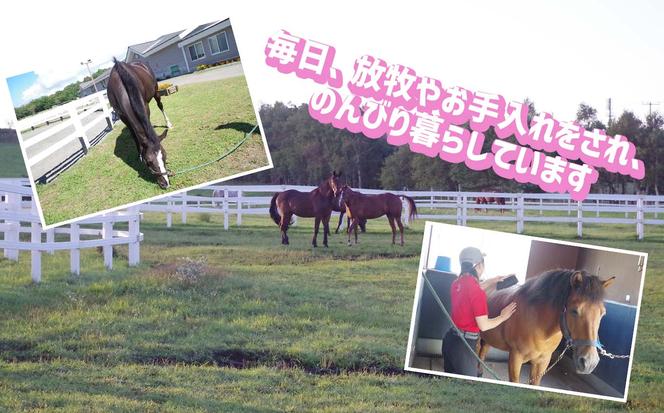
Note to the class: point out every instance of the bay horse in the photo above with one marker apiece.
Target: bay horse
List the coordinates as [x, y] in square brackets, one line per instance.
[557, 304]
[341, 209]
[131, 86]
[360, 206]
[316, 204]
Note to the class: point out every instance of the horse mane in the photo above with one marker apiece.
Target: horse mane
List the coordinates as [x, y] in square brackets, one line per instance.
[553, 287]
[135, 99]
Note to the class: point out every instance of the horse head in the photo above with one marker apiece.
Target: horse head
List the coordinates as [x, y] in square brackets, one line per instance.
[580, 319]
[154, 156]
[331, 186]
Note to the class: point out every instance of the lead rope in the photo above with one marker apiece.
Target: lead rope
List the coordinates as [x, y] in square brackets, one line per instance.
[459, 333]
[193, 168]
[560, 357]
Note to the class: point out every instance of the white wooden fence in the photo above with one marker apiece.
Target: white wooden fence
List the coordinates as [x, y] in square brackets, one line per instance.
[63, 117]
[18, 215]
[459, 207]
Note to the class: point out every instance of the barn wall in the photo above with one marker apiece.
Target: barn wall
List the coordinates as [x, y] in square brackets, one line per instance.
[548, 256]
[624, 267]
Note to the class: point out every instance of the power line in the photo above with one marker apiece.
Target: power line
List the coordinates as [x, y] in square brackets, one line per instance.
[650, 104]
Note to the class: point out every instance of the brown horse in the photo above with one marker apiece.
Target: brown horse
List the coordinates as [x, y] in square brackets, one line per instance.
[556, 304]
[131, 86]
[341, 209]
[315, 204]
[360, 206]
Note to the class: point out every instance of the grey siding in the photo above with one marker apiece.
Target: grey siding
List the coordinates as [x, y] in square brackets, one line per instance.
[162, 61]
[209, 58]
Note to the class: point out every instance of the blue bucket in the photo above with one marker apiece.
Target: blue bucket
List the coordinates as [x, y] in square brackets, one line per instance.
[443, 264]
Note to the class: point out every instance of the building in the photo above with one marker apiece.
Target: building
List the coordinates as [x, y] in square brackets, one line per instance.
[100, 82]
[180, 52]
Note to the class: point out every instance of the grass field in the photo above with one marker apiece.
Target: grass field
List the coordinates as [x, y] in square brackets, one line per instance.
[11, 160]
[209, 119]
[216, 320]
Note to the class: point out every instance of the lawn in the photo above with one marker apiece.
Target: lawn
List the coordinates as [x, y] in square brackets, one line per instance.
[11, 160]
[209, 119]
[216, 320]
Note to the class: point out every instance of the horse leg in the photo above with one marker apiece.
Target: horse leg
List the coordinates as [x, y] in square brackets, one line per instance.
[352, 225]
[355, 230]
[537, 369]
[484, 349]
[285, 221]
[390, 219]
[398, 219]
[169, 125]
[316, 226]
[326, 228]
[341, 220]
[514, 366]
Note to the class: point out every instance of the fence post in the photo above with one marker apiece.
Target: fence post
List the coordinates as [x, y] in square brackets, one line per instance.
[12, 234]
[134, 256]
[74, 253]
[597, 207]
[626, 208]
[639, 218]
[50, 238]
[169, 214]
[458, 209]
[183, 207]
[225, 208]
[541, 202]
[105, 110]
[239, 208]
[464, 210]
[35, 240]
[78, 127]
[579, 219]
[107, 234]
[519, 214]
[569, 207]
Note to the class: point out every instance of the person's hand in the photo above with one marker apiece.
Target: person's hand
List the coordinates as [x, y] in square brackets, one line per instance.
[508, 310]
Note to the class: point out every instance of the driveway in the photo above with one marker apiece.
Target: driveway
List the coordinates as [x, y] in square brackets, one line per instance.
[214, 73]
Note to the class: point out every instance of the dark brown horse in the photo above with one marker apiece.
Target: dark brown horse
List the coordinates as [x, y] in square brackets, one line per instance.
[555, 305]
[341, 209]
[316, 204]
[360, 206]
[131, 86]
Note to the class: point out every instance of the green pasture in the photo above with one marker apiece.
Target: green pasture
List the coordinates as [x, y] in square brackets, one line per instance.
[216, 320]
[209, 119]
[11, 160]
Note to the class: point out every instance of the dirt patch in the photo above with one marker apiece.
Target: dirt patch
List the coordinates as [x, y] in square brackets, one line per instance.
[186, 270]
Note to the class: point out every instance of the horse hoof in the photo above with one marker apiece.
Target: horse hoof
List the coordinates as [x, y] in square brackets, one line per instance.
[169, 125]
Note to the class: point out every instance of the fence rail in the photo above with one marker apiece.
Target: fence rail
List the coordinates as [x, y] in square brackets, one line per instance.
[65, 116]
[459, 207]
[21, 230]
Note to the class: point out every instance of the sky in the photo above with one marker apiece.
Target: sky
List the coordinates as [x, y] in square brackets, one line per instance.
[558, 54]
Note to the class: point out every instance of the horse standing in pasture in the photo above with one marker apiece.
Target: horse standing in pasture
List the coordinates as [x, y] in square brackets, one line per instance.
[131, 86]
[360, 206]
[341, 209]
[555, 305]
[316, 204]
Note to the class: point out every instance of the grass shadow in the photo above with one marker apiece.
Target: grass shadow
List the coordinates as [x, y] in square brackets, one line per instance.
[125, 149]
[243, 127]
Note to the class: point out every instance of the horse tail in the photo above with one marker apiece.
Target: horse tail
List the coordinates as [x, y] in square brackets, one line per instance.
[135, 99]
[274, 212]
[413, 208]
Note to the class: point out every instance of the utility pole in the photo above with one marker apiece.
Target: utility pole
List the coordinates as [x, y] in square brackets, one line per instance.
[650, 104]
[87, 64]
[610, 113]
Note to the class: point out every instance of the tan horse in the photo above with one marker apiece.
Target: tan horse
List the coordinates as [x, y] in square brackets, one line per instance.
[555, 305]
[315, 204]
[362, 207]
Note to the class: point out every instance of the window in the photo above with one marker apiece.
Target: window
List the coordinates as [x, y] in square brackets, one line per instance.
[214, 45]
[196, 51]
[222, 41]
[175, 70]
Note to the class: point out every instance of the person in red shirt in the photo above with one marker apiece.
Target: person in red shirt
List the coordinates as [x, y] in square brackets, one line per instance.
[470, 313]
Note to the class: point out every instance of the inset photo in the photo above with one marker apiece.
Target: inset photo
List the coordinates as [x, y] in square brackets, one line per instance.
[169, 111]
[526, 311]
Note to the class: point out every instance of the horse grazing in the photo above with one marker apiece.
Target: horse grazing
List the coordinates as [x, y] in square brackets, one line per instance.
[557, 304]
[131, 86]
[360, 206]
[315, 204]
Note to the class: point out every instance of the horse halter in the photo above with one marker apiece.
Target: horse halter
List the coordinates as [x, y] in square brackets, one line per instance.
[572, 342]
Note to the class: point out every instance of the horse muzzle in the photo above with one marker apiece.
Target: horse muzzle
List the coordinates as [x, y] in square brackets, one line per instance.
[586, 362]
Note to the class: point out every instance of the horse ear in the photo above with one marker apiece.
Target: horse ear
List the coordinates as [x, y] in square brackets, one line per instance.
[163, 135]
[576, 279]
[606, 283]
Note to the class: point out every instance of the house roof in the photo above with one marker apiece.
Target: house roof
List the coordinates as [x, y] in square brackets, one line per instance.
[199, 32]
[154, 45]
[85, 85]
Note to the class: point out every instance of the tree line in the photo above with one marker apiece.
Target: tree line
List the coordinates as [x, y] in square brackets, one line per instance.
[69, 93]
[305, 151]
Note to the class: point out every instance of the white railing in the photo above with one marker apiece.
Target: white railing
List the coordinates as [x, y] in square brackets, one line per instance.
[459, 207]
[65, 116]
[18, 215]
